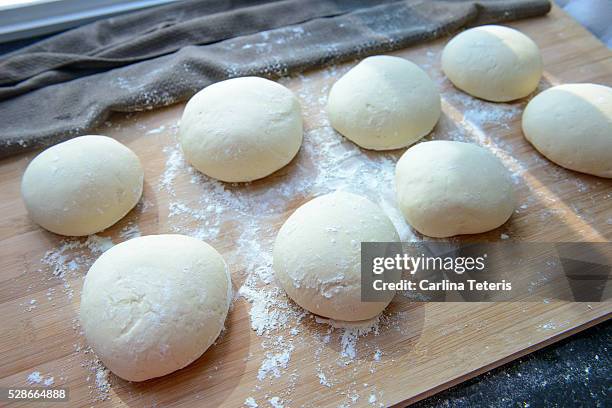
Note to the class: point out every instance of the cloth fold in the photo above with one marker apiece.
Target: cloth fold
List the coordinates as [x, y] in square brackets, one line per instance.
[69, 83]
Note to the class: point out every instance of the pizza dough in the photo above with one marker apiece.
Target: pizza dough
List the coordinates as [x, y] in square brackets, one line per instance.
[572, 126]
[154, 304]
[241, 129]
[384, 103]
[493, 62]
[447, 188]
[82, 186]
[317, 255]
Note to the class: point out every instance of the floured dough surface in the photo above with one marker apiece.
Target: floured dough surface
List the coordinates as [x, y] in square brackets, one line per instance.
[154, 304]
[384, 103]
[571, 125]
[493, 62]
[82, 186]
[446, 188]
[241, 129]
[317, 254]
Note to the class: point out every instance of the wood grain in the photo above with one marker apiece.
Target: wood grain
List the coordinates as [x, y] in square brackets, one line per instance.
[430, 347]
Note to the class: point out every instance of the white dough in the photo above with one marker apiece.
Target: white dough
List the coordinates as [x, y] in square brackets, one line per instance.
[317, 255]
[384, 103]
[446, 188]
[154, 304]
[493, 62]
[241, 129]
[572, 126]
[82, 186]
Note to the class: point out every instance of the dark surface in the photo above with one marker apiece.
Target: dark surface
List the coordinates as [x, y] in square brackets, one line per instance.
[575, 372]
[10, 46]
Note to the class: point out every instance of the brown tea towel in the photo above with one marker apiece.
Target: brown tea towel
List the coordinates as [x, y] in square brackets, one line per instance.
[69, 83]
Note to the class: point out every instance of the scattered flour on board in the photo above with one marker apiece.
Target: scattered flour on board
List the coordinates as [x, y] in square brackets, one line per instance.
[102, 382]
[98, 376]
[173, 163]
[130, 231]
[69, 255]
[31, 305]
[36, 378]
[274, 363]
[322, 378]
[276, 402]
[250, 403]
[67, 260]
[156, 130]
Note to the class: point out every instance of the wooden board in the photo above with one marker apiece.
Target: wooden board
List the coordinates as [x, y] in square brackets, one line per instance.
[418, 348]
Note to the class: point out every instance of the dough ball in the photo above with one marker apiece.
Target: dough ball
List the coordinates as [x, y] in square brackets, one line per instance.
[317, 254]
[384, 103]
[82, 186]
[154, 304]
[492, 62]
[447, 188]
[241, 129]
[572, 126]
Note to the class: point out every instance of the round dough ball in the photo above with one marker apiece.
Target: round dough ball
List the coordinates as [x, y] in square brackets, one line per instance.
[492, 62]
[241, 129]
[317, 255]
[384, 103]
[447, 188]
[154, 304]
[82, 186]
[572, 126]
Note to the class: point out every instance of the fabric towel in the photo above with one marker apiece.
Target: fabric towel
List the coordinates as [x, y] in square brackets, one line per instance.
[68, 84]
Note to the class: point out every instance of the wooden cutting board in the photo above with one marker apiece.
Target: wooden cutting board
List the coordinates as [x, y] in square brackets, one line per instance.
[416, 350]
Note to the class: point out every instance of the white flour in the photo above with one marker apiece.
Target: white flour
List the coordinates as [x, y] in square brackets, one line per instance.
[102, 383]
[322, 378]
[250, 403]
[276, 402]
[130, 231]
[274, 363]
[69, 256]
[36, 378]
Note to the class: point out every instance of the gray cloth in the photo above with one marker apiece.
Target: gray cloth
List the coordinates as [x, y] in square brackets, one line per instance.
[66, 85]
